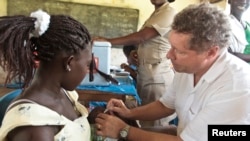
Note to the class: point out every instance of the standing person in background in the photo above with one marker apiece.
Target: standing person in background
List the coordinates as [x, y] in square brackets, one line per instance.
[154, 71]
[240, 45]
[130, 51]
[210, 87]
[47, 109]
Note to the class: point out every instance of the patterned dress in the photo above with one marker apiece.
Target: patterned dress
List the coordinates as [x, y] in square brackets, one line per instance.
[33, 114]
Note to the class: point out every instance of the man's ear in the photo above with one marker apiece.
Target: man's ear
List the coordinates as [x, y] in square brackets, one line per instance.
[67, 64]
[213, 51]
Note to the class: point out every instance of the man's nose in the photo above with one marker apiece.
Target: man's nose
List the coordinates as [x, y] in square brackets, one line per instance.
[170, 54]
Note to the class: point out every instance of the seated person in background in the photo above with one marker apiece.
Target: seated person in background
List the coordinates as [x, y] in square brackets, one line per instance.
[240, 45]
[130, 51]
[48, 107]
[210, 86]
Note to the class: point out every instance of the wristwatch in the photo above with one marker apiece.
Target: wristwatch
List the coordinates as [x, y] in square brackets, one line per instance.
[124, 133]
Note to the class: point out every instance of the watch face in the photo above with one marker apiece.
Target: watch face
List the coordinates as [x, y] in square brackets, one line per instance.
[123, 134]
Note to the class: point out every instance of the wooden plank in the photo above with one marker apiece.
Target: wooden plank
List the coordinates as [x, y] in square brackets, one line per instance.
[85, 96]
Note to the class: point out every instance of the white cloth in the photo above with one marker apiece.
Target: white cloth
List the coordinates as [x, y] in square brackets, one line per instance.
[238, 40]
[33, 114]
[222, 96]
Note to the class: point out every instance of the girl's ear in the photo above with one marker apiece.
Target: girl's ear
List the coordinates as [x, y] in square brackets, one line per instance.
[67, 64]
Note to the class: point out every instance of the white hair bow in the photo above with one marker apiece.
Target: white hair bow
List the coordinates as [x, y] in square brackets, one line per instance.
[41, 23]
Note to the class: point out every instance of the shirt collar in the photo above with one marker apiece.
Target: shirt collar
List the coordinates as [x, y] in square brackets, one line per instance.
[162, 7]
[217, 68]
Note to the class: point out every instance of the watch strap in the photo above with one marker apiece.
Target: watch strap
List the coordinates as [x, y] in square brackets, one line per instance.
[125, 129]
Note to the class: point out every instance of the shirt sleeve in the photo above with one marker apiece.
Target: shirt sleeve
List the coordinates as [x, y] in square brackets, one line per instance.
[168, 99]
[238, 40]
[162, 20]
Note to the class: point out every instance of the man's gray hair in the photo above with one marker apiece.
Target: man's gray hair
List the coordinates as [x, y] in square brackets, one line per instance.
[207, 24]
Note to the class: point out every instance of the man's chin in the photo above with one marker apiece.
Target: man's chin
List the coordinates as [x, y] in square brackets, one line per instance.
[180, 70]
[176, 69]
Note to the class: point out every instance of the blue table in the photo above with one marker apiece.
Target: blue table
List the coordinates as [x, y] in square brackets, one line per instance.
[117, 89]
[122, 88]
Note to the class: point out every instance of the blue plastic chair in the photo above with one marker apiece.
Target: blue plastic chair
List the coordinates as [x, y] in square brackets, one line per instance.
[6, 100]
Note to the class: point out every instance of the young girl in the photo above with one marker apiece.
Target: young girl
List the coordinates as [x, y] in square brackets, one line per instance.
[47, 109]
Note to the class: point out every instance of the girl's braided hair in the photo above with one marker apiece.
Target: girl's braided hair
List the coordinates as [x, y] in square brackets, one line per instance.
[17, 47]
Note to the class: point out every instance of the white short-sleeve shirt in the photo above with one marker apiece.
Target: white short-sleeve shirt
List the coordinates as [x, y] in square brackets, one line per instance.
[222, 96]
[238, 38]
